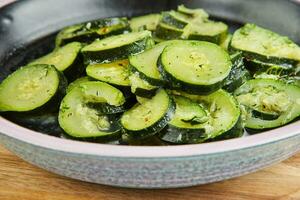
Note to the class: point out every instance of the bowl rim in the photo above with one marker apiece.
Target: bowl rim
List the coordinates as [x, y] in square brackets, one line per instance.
[38, 139]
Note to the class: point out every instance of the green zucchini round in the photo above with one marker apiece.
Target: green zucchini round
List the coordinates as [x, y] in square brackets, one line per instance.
[116, 47]
[196, 67]
[33, 88]
[147, 119]
[269, 96]
[86, 111]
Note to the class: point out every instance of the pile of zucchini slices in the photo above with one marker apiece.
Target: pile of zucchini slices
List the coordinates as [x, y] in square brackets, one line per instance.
[160, 79]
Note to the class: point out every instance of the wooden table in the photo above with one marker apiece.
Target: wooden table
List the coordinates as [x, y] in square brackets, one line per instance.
[22, 181]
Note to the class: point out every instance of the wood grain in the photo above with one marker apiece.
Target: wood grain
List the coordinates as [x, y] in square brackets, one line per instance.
[22, 181]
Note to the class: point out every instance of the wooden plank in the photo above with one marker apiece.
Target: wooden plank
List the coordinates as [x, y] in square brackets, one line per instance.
[20, 180]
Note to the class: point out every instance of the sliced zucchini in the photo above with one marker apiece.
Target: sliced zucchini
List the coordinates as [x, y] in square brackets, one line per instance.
[89, 31]
[141, 87]
[192, 12]
[271, 97]
[115, 73]
[145, 63]
[196, 67]
[77, 82]
[86, 110]
[116, 47]
[147, 119]
[223, 117]
[256, 66]
[187, 124]
[66, 59]
[210, 31]
[238, 74]
[263, 45]
[32, 88]
[148, 22]
[167, 32]
[176, 19]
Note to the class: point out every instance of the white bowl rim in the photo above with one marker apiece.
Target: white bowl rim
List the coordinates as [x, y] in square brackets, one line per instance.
[107, 150]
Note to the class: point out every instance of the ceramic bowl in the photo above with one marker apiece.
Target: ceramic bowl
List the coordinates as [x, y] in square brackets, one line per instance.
[132, 166]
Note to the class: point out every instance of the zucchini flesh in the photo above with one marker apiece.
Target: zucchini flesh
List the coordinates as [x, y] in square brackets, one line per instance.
[78, 116]
[186, 125]
[32, 88]
[149, 22]
[89, 31]
[271, 97]
[145, 63]
[116, 47]
[210, 31]
[115, 73]
[167, 32]
[175, 19]
[147, 119]
[66, 59]
[195, 66]
[264, 45]
[224, 116]
[77, 82]
[141, 87]
[192, 12]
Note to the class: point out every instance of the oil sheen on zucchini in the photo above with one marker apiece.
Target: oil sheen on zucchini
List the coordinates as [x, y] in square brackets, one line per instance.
[141, 87]
[115, 73]
[196, 67]
[269, 97]
[66, 59]
[32, 88]
[88, 110]
[147, 119]
[265, 46]
[116, 47]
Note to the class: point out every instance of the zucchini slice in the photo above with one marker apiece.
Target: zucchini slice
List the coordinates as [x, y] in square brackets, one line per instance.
[116, 47]
[176, 19]
[167, 32]
[32, 88]
[147, 119]
[148, 22]
[86, 111]
[223, 117]
[77, 82]
[66, 59]
[238, 74]
[269, 97]
[192, 12]
[145, 63]
[187, 124]
[209, 31]
[265, 46]
[89, 31]
[196, 67]
[225, 43]
[115, 73]
[256, 66]
[141, 87]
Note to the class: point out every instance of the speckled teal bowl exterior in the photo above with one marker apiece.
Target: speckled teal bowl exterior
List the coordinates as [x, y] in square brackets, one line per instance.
[151, 167]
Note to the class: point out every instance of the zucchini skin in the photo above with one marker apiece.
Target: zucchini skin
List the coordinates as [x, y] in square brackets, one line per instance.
[171, 20]
[255, 66]
[152, 81]
[166, 33]
[176, 84]
[92, 57]
[145, 93]
[156, 127]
